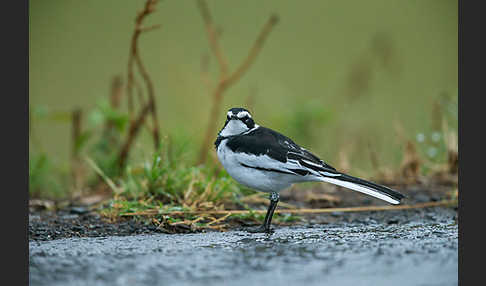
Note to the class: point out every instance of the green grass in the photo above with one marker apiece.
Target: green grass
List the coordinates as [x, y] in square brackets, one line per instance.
[44, 179]
[439, 134]
[170, 180]
[165, 183]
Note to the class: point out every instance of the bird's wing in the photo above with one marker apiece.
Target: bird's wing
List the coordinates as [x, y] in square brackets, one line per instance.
[268, 149]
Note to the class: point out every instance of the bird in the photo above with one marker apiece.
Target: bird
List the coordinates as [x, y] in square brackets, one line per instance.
[267, 161]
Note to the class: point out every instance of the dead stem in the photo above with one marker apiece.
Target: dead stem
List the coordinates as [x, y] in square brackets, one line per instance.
[219, 219]
[373, 157]
[297, 211]
[226, 79]
[132, 133]
[257, 46]
[134, 56]
[213, 37]
[76, 166]
[115, 97]
[76, 121]
[205, 59]
[189, 222]
[116, 91]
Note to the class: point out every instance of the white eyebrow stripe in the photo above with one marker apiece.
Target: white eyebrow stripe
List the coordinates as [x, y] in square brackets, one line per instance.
[242, 114]
[229, 113]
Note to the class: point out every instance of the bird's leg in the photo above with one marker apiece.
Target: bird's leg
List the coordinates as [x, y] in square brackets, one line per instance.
[274, 198]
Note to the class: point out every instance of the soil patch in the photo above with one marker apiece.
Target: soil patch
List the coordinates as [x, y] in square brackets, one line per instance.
[79, 221]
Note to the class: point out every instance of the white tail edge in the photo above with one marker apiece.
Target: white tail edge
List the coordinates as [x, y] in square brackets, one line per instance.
[360, 188]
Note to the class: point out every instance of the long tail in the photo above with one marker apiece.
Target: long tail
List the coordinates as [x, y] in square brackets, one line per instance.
[363, 186]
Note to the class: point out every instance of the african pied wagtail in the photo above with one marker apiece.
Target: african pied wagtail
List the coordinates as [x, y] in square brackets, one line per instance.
[267, 161]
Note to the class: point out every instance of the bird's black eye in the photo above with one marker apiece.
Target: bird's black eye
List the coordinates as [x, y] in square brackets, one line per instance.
[249, 122]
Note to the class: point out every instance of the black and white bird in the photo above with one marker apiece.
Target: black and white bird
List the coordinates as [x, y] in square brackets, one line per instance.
[265, 160]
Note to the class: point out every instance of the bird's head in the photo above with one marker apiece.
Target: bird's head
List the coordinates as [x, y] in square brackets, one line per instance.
[238, 120]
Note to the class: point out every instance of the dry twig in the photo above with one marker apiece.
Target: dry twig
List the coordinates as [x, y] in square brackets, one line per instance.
[77, 171]
[115, 97]
[226, 79]
[132, 132]
[297, 211]
[150, 106]
[134, 57]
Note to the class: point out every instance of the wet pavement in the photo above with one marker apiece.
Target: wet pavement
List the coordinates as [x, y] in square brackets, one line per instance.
[416, 248]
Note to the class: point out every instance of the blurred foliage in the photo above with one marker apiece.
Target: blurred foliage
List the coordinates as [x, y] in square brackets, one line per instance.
[434, 143]
[448, 108]
[46, 178]
[104, 112]
[43, 178]
[392, 58]
[109, 124]
[328, 77]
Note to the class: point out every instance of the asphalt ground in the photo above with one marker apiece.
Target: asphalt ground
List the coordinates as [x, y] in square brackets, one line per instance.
[399, 247]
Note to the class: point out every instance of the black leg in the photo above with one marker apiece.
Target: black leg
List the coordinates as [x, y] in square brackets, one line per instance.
[274, 198]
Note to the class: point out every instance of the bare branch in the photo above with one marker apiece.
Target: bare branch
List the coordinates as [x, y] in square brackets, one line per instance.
[213, 37]
[226, 79]
[76, 168]
[134, 57]
[205, 59]
[115, 97]
[149, 28]
[116, 91]
[257, 46]
[132, 134]
[153, 108]
[149, 8]
[76, 131]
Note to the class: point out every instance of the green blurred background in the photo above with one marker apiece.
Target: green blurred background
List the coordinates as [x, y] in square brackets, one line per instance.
[333, 75]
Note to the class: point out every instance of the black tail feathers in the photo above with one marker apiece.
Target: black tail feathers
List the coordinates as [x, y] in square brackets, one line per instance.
[373, 186]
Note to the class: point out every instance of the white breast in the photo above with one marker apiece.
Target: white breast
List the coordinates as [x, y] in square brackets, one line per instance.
[256, 179]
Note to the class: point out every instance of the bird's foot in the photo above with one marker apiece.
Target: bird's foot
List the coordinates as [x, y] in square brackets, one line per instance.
[260, 229]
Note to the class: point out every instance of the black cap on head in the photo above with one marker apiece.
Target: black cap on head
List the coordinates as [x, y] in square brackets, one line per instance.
[236, 110]
[241, 114]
